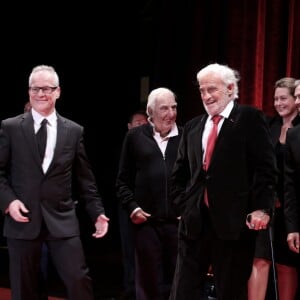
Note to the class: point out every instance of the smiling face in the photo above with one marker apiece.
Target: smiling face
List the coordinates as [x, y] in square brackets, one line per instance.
[284, 102]
[43, 92]
[164, 113]
[215, 94]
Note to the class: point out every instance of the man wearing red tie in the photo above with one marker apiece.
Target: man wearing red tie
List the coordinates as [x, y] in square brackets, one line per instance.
[223, 187]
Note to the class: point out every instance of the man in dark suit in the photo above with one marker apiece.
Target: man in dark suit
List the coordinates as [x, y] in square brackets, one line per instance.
[214, 200]
[36, 193]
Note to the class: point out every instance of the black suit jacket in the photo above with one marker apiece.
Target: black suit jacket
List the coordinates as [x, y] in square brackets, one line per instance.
[292, 180]
[241, 177]
[47, 196]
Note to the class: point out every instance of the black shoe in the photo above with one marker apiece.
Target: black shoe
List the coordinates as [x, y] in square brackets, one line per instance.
[212, 294]
[210, 288]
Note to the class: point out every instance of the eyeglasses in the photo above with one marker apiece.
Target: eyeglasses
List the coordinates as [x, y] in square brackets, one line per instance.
[44, 89]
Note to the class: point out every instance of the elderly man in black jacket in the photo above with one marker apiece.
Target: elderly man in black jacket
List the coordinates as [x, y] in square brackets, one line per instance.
[215, 196]
[148, 154]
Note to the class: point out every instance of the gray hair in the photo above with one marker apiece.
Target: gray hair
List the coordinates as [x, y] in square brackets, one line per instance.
[154, 95]
[297, 83]
[227, 75]
[46, 68]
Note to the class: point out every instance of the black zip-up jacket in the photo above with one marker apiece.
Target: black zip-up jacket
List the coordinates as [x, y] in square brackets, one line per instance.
[144, 173]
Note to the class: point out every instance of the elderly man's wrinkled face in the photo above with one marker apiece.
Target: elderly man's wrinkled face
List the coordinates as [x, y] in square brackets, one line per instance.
[164, 114]
[214, 93]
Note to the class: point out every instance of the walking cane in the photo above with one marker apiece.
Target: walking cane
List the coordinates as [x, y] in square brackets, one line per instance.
[270, 229]
[273, 259]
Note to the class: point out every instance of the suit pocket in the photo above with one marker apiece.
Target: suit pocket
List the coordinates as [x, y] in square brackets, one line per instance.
[66, 205]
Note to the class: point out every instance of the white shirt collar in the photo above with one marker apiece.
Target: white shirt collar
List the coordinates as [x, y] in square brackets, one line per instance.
[173, 132]
[226, 112]
[38, 117]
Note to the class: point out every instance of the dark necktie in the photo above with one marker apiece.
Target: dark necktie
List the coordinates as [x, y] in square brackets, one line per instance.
[41, 138]
[211, 141]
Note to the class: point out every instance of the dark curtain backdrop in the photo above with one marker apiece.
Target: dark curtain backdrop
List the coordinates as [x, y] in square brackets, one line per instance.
[259, 38]
[94, 48]
[101, 51]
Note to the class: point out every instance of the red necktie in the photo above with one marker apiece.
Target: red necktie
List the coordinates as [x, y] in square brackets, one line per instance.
[211, 141]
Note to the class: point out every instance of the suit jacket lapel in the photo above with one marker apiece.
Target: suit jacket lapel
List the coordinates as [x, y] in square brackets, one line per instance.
[225, 130]
[27, 127]
[62, 130]
[198, 132]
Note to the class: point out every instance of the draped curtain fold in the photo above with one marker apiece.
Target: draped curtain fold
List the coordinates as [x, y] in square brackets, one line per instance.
[293, 51]
[268, 50]
[266, 47]
[258, 38]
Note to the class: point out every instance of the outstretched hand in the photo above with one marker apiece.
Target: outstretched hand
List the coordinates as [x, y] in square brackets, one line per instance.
[101, 226]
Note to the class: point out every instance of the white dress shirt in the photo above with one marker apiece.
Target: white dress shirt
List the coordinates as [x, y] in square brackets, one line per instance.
[51, 135]
[209, 124]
